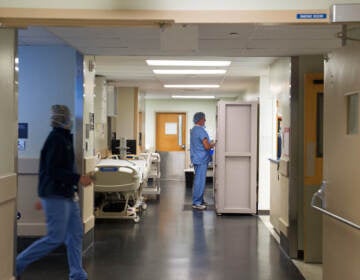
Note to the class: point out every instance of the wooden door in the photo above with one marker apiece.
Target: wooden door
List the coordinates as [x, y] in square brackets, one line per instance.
[313, 128]
[170, 132]
[341, 246]
[313, 161]
[236, 158]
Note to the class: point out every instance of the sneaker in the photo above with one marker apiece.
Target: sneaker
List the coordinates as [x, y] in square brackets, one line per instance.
[199, 206]
[204, 203]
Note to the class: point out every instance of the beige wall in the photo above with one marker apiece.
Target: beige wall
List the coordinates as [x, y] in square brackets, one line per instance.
[84, 13]
[275, 196]
[8, 152]
[174, 4]
[279, 88]
[126, 109]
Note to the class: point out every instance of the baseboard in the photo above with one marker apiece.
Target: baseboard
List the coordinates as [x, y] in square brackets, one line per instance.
[88, 242]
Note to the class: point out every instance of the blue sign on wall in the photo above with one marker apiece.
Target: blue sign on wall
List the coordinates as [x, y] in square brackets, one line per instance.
[23, 130]
[311, 16]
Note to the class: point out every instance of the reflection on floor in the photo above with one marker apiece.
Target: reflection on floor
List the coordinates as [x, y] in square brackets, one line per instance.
[310, 271]
[174, 242]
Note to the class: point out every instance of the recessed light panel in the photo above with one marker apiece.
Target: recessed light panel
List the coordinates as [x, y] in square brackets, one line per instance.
[188, 63]
[189, 71]
[191, 86]
[193, 96]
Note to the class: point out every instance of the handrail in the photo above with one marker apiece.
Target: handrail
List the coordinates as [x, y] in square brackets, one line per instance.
[321, 195]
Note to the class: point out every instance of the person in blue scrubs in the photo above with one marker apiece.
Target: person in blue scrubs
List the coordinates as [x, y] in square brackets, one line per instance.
[57, 189]
[200, 146]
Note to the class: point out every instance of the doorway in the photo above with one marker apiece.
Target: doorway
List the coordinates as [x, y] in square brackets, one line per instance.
[171, 143]
[313, 162]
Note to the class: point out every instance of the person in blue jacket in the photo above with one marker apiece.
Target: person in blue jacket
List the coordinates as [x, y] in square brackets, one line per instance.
[57, 189]
[200, 146]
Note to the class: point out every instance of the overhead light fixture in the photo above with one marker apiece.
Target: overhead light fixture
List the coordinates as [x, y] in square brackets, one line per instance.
[191, 86]
[189, 71]
[188, 63]
[193, 96]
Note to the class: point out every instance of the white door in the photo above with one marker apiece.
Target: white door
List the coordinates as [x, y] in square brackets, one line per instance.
[236, 158]
[341, 243]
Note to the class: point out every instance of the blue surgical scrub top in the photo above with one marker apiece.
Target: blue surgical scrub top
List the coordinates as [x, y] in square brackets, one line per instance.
[198, 153]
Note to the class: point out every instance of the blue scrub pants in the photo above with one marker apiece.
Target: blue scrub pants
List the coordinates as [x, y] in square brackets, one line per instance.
[64, 225]
[199, 183]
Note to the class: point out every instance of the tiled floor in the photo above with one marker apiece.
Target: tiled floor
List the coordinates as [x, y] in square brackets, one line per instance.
[309, 271]
[174, 242]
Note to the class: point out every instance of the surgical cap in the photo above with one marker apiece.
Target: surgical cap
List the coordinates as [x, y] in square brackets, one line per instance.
[61, 116]
[198, 116]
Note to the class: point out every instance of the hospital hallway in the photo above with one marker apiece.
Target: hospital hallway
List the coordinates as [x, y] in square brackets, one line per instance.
[174, 242]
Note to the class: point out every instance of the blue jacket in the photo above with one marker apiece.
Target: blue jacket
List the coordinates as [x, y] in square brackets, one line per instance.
[57, 175]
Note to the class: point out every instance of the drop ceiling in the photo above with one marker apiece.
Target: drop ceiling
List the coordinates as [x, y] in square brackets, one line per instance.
[120, 52]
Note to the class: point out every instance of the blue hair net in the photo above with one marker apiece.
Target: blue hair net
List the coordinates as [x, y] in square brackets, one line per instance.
[198, 116]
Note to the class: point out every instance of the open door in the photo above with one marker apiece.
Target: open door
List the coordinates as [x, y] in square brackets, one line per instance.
[236, 158]
[313, 162]
[341, 252]
[8, 152]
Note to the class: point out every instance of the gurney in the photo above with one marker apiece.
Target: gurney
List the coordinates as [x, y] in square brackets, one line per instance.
[117, 183]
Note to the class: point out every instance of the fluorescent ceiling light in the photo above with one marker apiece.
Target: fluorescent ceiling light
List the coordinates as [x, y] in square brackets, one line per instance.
[191, 86]
[188, 63]
[189, 71]
[193, 96]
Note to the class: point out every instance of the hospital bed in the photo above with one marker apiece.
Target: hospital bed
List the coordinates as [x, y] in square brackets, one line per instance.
[141, 162]
[116, 184]
[120, 181]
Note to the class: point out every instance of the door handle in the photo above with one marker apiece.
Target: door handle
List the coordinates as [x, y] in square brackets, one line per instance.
[180, 142]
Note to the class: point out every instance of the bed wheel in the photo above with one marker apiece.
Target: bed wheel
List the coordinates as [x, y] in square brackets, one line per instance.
[137, 219]
[144, 206]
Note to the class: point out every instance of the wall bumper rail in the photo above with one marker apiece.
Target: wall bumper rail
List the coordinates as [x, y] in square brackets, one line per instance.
[320, 196]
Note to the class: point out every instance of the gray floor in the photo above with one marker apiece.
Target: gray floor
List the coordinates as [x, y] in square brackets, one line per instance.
[173, 242]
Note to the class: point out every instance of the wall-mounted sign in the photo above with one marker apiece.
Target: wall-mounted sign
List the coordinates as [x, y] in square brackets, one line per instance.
[21, 145]
[170, 128]
[311, 16]
[23, 130]
[92, 121]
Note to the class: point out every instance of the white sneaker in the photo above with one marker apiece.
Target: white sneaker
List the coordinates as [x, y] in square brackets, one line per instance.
[204, 203]
[199, 206]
